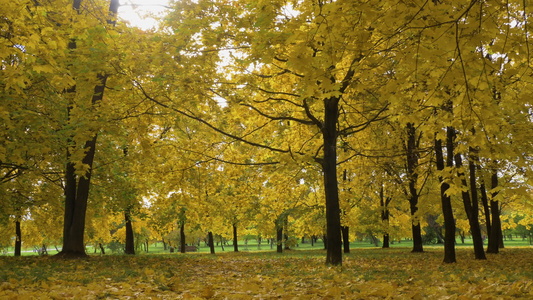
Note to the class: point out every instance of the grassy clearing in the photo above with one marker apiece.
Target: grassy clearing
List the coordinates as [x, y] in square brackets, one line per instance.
[366, 274]
[252, 246]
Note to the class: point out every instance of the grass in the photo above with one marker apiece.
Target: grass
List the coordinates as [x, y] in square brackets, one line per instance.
[252, 246]
[367, 273]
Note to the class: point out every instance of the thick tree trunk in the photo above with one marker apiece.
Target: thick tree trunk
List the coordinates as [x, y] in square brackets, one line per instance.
[346, 238]
[447, 211]
[235, 239]
[211, 242]
[412, 164]
[182, 237]
[18, 238]
[495, 234]
[469, 205]
[331, 188]
[77, 190]
[76, 195]
[130, 243]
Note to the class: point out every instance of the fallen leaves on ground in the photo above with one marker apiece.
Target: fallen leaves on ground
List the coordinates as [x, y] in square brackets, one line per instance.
[365, 274]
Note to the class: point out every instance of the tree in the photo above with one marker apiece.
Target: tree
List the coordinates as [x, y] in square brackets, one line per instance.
[77, 181]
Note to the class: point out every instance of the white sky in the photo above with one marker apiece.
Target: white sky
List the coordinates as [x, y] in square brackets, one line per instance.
[135, 11]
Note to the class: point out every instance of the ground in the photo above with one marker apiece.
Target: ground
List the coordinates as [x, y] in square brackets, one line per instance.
[366, 274]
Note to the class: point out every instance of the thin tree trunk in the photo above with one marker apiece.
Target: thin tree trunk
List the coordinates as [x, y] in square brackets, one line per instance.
[486, 208]
[345, 230]
[412, 164]
[447, 211]
[182, 237]
[476, 232]
[346, 238]
[469, 209]
[130, 243]
[18, 238]
[101, 248]
[211, 242]
[235, 239]
[385, 215]
[495, 235]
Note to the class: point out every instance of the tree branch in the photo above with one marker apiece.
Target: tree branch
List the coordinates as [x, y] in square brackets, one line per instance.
[200, 120]
[275, 118]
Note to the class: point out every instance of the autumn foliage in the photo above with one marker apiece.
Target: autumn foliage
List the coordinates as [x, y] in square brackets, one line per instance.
[283, 120]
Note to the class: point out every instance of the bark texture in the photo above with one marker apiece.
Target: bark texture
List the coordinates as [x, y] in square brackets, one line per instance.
[447, 210]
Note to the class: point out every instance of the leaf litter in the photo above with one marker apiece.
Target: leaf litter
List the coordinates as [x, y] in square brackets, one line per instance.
[365, 274]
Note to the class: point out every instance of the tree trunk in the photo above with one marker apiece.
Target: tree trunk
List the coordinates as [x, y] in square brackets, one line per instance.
[222, 243]
[182, 237]
[77, 189]
[18, 238]
[235, 239]
[211, 242]
[285, 235]
[385, 215]
[447, 211]
[374, 239]
[279, 239]
[486, 208]
[130, 243]
[412, 164]
[331, 188]
[476, 230]
[469, 208]
[101, 248]
[346, 238]
[495, 234]
[164, 245]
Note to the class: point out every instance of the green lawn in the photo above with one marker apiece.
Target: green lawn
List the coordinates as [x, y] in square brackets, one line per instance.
[252, 246]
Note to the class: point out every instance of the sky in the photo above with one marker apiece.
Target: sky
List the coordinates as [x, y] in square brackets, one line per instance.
[135, 11]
